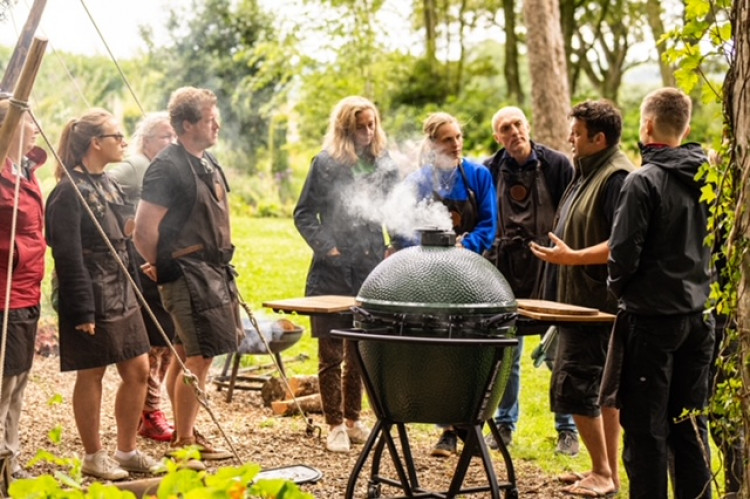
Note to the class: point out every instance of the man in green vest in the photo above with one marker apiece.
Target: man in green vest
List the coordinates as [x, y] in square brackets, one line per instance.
[579, 247]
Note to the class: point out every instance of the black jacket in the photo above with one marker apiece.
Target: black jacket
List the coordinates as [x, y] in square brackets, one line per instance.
[659, 263]
[556, 168]
[337, 209]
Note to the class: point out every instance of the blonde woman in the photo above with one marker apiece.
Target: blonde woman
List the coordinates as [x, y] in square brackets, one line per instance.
[353, 169]
[99, 318]
[466, 189]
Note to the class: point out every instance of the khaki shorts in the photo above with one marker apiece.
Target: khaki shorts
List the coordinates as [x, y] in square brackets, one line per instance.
[176, 300]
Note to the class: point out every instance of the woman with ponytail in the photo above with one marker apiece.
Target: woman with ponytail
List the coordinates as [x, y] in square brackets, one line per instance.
[99, 317]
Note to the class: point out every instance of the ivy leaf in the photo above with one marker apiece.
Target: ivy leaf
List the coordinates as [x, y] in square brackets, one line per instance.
[707, 194]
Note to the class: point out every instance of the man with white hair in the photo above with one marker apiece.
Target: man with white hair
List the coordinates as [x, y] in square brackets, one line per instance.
[530, 180]
[152, 134]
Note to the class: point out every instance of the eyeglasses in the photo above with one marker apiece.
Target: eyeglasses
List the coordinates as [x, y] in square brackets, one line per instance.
[117, 136]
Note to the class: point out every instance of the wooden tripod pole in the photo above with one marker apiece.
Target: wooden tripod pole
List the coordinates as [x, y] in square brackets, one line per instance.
[13, 69]
[21, 95]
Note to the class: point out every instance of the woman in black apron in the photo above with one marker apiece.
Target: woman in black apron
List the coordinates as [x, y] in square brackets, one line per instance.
[467, 193]
[99, 318]
[465, 189]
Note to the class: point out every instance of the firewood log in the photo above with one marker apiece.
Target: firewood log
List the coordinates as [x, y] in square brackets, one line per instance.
[308, 403]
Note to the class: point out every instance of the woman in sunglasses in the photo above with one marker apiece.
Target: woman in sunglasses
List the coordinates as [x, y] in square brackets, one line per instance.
[99, 317]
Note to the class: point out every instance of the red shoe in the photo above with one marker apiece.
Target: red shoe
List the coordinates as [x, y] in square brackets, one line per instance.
[154, 425]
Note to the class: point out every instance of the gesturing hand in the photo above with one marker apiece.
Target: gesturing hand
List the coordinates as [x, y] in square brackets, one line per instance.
[559, 253]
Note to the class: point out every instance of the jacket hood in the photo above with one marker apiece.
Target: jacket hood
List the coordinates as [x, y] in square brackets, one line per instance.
[682, 162]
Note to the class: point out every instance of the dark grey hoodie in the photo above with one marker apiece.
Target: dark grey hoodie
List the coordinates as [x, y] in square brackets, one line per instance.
[658, 263]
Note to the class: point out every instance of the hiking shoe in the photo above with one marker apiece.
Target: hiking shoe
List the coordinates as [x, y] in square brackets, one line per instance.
[357, 433]
[338, 439]
[490, 441]
[100, 465]
[506, 434]
[154, 425]
[141, 463]
[207, 451]
[446, 445]
[567, 443]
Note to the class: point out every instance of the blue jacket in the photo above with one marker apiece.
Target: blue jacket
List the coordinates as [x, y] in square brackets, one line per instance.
[479, 178]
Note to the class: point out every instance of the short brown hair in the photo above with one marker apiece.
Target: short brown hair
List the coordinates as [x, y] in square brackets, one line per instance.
[187, 103]
[670, 110]
[600, 116]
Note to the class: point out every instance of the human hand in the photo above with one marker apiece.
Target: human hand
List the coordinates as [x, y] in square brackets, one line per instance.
[87, 328]
[460, 239]
[149, 270]
[559, 253]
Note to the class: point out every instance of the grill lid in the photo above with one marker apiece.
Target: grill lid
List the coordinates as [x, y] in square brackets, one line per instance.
[437, 277]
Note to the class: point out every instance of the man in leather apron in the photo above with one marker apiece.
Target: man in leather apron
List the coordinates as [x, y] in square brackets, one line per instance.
[530, 180]
[183, 232]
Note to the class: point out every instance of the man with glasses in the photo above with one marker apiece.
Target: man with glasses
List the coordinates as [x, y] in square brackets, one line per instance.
[152, 134]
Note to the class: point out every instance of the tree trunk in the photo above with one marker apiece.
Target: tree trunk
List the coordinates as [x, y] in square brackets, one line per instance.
[512, 72]
[430, 28]
[653, 14]
[568, 26]
[549, 79]
[737, 107]
[458, 83]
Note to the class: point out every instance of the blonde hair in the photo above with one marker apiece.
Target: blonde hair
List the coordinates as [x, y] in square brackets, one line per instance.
[339, 139]
[187, 103]
[430, 129]
[76, 138]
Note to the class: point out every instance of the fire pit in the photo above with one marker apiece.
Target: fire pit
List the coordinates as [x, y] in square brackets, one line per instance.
[432, 330]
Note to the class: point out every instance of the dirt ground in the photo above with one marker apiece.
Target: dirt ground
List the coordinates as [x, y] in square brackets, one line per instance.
[257, 436]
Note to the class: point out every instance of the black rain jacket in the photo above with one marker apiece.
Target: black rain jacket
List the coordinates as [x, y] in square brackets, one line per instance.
[659, 263]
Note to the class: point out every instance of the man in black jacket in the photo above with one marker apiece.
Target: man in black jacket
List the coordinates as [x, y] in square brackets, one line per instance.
[530, 180]
[659, 269]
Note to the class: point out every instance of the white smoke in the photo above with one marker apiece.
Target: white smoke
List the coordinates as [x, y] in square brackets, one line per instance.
[400, 210]
[404, 213]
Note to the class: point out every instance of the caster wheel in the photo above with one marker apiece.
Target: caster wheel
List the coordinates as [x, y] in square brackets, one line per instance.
[373, 491]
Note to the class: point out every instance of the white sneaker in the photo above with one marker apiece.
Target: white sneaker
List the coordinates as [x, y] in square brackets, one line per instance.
[358, 433]
[338, 440]
[100, 465]
[141, 463]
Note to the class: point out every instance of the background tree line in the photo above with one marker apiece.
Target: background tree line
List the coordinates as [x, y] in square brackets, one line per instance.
[469, 58]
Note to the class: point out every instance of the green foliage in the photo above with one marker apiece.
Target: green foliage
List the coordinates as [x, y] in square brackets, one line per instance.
[702, 50]
[227, 482]
[224, 46]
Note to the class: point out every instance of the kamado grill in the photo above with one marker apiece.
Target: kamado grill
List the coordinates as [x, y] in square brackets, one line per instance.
[432, 327]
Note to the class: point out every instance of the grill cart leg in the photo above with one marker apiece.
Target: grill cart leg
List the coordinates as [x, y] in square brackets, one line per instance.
[512, 491]
[380, 439]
